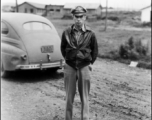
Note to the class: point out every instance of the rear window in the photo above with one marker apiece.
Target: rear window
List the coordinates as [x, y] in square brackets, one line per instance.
[36, 26]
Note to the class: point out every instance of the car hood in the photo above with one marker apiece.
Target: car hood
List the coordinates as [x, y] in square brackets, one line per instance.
[35, 43]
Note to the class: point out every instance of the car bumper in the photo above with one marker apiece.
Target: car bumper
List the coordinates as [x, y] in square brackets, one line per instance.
[41, 66]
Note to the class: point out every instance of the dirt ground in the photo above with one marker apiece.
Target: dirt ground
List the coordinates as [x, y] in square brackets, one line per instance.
[118, 92]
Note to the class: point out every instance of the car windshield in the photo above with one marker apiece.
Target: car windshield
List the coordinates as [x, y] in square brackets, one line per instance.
[36, 26]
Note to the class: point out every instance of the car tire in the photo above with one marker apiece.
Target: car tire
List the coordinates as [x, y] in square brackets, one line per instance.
[3, 71]
[52, 70]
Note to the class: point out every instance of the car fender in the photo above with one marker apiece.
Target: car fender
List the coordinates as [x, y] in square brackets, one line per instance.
[12, 56]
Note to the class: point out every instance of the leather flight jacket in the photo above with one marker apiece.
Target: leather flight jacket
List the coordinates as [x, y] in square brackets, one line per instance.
[82, 54]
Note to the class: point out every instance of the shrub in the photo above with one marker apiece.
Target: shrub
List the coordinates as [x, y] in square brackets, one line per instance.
[146, 24]
[143, 64]
[142, 25]
[111, 55]
[67, 16]
[142, 50]
[99, 17]
[113, 18]
[133, 50]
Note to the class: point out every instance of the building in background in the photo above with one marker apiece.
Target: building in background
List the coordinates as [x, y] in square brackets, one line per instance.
[8, 7]
[92, 8]
[29, 7]
[54, 10]
[146, 14]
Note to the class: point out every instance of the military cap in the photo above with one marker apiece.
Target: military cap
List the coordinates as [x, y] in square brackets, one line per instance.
[78, 10]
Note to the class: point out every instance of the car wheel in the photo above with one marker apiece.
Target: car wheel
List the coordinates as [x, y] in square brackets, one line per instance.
[3, 71]
[53, 70]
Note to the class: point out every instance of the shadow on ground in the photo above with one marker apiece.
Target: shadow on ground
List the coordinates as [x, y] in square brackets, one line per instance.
[31, 76]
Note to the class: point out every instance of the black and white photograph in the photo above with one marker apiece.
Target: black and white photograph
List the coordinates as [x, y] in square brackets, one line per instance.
[76, 59]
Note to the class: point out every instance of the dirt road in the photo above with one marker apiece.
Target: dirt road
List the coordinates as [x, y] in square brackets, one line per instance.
[118, 92]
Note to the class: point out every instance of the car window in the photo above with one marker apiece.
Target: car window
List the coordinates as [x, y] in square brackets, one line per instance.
[4, 28]
[36, 26]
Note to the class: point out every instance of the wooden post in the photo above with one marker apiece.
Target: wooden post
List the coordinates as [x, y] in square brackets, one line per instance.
[16, 6]
[106, 15]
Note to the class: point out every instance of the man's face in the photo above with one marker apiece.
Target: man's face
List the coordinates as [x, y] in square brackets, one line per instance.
[79, 19]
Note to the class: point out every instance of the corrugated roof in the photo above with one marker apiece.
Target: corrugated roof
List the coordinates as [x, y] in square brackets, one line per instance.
[85, 5]
[37, 5]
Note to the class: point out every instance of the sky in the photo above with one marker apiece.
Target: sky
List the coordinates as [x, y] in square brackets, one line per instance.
[127, 4]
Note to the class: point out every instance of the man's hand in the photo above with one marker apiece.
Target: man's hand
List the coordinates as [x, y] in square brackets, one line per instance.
[90, 67]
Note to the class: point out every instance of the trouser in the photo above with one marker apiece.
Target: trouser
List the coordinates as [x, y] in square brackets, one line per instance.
[71, 76]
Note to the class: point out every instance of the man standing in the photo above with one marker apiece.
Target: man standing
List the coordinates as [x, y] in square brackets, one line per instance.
[79, 49]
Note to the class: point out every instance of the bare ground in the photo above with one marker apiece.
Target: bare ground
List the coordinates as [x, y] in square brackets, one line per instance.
[118, 92]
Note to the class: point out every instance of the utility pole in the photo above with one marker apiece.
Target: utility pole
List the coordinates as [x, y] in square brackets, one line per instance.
[16, 6]
[106, 15]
